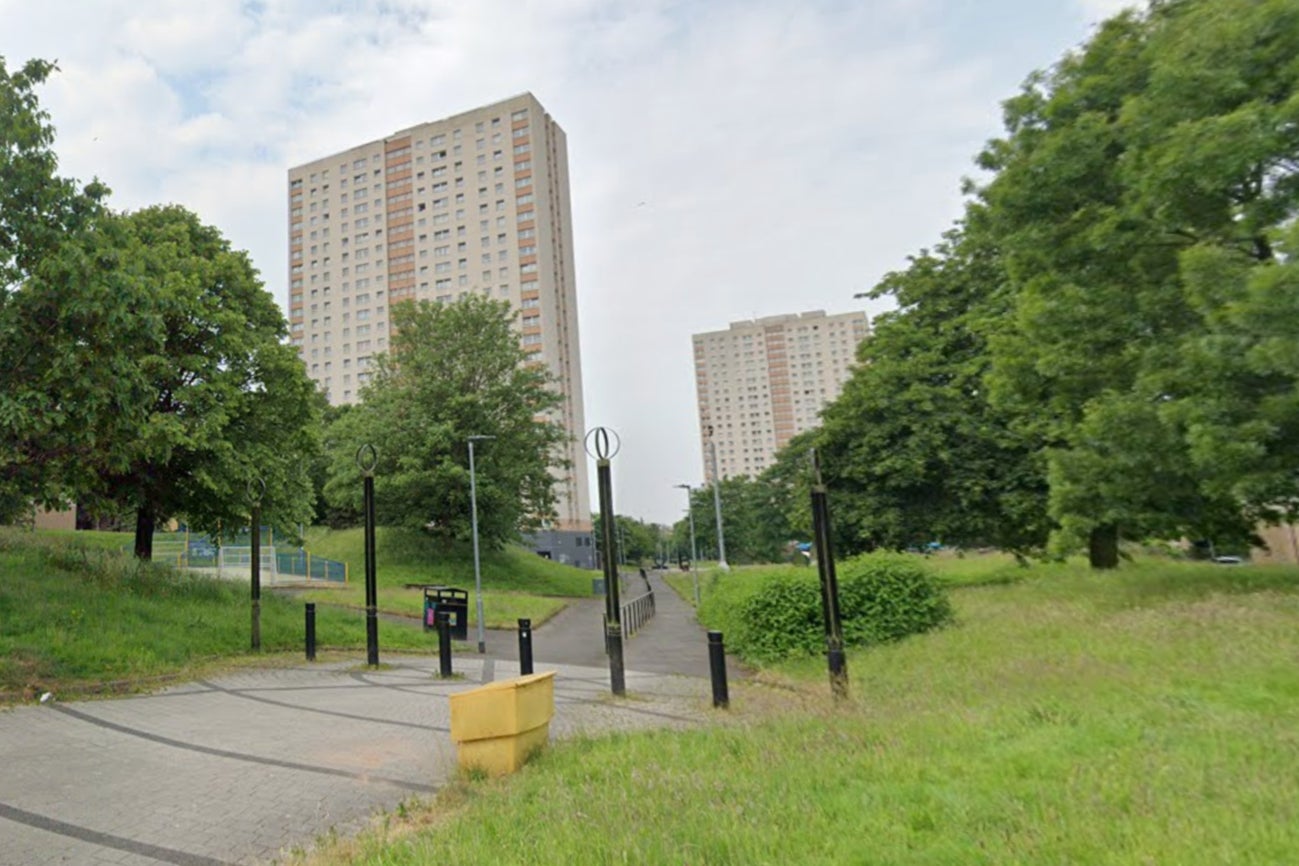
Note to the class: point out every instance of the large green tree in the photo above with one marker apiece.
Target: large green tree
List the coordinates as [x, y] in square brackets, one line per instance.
[211, 401]
[455, 370]
[1131, 174]
[912, 449]
[41, 442]
[1215, 145]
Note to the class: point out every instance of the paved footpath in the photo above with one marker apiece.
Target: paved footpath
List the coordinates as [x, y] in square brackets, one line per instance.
[242, 768]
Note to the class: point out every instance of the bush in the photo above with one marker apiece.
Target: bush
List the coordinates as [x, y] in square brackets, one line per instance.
[776, 613]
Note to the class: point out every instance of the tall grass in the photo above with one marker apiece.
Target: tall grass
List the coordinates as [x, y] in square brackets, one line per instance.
[1142, 716]
[72, 616]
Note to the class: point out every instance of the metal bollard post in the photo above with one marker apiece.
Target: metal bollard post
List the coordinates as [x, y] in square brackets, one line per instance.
[525, 647]
[444, 643]
[613, 634]
[311, 631]
[717, 667]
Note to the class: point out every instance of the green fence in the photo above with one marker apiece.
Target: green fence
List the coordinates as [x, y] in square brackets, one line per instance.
[190, 550]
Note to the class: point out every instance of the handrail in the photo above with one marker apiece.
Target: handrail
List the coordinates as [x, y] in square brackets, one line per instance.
[638, 611]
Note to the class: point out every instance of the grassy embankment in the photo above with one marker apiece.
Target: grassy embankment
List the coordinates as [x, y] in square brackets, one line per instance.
[77, 615]
[516, 582]
[1143, 716]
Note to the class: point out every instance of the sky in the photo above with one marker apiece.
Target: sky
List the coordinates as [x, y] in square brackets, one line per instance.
[729, 159]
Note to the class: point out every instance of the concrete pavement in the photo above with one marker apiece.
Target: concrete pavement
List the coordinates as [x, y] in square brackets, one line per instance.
[672, 642]
[240, 768]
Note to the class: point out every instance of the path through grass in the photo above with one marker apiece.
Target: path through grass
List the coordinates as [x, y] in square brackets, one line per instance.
[1142, 716]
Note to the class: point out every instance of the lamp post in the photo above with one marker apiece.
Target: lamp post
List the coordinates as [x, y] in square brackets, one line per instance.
[694, 554]
[473, 518]
[717, 503]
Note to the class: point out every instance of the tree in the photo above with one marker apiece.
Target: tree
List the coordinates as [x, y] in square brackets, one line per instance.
[210, 398]
[39, 213]
[455, 371]
[1216, 148]
[912, 451]
[637, 540]
[142, 365]
[37, 207]
[1128, 172]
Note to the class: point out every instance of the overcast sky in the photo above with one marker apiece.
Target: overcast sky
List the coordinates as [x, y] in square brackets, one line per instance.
[729, 158]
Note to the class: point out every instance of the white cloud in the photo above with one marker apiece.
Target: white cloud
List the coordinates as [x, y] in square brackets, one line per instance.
[729, 158]
[1099, 10]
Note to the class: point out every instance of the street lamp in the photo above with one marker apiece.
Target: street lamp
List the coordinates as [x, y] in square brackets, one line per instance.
[694, 554]
[717, 503]
[473, 517]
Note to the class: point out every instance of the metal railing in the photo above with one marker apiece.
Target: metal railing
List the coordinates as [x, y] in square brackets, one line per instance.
[638, 611]
[202, 553]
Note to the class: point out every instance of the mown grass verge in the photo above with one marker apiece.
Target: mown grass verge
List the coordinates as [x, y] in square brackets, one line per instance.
[1142, 716]
[73, 617]
[404, 556]
[516, 582]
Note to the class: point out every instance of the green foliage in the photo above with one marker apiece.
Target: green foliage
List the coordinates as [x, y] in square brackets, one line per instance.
[773, 614]
[411, 556]
[913, 451]
[456, 370]
[754, 520]
[37, 207]
[637, 540]
[40, 213]
[1072, 717]
[142, 364]
[1141, 191]
[210, 396]
[75, 616]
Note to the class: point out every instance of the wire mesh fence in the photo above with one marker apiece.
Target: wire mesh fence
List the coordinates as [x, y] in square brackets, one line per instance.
[233, 558]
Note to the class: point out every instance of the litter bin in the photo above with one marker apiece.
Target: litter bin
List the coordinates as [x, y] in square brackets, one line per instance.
[455, 602]
[597, 586]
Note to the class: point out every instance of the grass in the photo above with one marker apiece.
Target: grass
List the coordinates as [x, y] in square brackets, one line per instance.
[516, 582]
[1145, 716]
[75, 616]
[403, 556]
[500, 609]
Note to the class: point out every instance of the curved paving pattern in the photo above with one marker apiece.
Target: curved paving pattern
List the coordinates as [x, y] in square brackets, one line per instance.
[238, 769]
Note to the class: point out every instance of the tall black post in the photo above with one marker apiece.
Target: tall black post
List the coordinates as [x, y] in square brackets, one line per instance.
[834, 654]
[525, 647]
[444, 643]
[311, 631]
[366, 458]
[256, 490]
[717, 669]
[609, 551]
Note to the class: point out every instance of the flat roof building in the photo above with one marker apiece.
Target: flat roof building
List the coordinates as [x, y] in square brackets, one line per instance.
[761, 382]
[476, 203]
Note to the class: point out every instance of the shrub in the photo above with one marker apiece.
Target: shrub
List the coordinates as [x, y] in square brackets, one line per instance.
[775, 614]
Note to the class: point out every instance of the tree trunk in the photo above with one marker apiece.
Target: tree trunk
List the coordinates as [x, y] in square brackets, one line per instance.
[145, 518]
[1103, 546]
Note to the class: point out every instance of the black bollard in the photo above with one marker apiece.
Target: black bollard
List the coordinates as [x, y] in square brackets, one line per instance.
[525, 647]
[617, 679]
[717, 667]
[311, 631]
[444, 643]
[255, 569]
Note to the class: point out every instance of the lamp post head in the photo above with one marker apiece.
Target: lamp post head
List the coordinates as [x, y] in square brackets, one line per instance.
[479, 438]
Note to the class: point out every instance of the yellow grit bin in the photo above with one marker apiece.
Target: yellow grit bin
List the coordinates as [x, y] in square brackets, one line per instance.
[496, 727]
